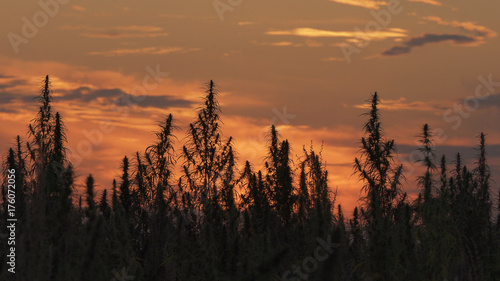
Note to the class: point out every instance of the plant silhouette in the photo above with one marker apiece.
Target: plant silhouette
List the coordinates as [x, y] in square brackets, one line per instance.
[219, 220]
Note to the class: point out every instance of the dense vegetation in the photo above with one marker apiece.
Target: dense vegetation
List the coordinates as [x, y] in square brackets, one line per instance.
[223, 221]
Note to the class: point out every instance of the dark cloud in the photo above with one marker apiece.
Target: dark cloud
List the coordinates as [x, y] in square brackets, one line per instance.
[6, 98]
[86, 94]
[7, 109]
[468, 153]
[9, 93]
[120, 98]
[163, 102]
[426, 39]
[490, 101]
[11, 84]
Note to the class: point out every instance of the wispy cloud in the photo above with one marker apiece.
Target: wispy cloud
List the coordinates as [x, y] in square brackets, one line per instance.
[312, 32]
[143, 51]
[307, 43]
[8, 82]
[139, 28]
[246, 23]
[112, 35]
[119, 97]
[118, 32]
[277, 44]
[333, 59]
[312, 43]
[79, 8]
[369, 4]
[478, 30]
[476, 36]
[430, 2]
[403, 104]
[427, 38]
[76, 87]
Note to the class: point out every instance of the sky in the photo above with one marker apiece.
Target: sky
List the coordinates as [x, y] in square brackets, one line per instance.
[119, 67]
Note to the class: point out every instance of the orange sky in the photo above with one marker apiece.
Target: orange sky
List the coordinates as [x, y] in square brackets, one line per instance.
[307, 67]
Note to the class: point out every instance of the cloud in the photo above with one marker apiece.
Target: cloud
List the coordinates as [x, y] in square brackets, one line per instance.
[163, 102]
[312, 32]
[490, 101]
[115, 35]
[430, 2]
[6, 82]
[97, 90]
[140, 28]
[427, 38]
[7, 109]
[87, 94]
[312, 43]
[246, 23]
[18, 105]
[119, 98]
[478, 36]
[118, 32]
[333, 59]
[79, 8]
[403, 104]
[68, 77]
[369, 4]
[11, 101]
[143, 51]
[478, 30]
[6, 98]
[275, 44]
[467, 152]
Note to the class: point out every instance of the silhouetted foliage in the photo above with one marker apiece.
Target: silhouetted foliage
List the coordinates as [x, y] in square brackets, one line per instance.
[222, 221]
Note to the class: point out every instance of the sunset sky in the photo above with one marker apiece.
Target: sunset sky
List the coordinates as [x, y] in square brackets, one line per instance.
[306, 66]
